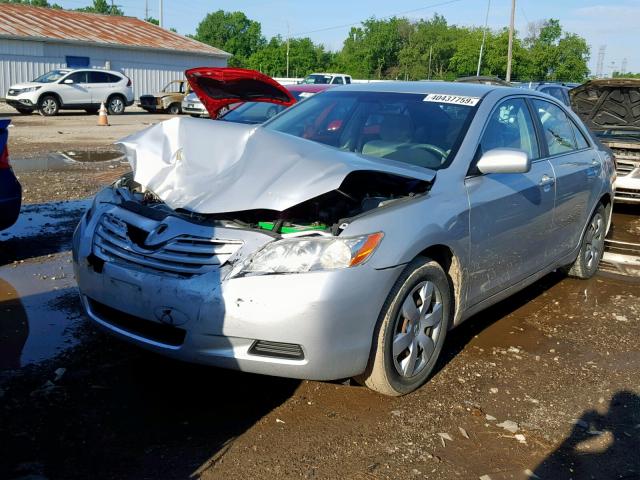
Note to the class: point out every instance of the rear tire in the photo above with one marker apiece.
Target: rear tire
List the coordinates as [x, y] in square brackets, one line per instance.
[591, 246]
[116, 104]
[48, 106]
[411, 330]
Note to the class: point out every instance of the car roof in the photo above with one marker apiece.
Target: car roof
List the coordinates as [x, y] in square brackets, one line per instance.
[445, 88]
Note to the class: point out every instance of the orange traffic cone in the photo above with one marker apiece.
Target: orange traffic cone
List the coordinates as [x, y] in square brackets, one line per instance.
[102, 116]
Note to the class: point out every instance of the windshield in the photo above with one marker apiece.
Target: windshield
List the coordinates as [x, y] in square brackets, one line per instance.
[173, 87]
[52, 76]
[317, 79]
[253, 112]
[397, 126]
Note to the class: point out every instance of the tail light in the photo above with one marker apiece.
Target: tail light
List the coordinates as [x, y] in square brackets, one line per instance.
[128, 82]
[4, 139]
[4, 158]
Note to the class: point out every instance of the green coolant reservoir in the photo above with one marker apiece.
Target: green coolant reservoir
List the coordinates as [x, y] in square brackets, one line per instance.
[293, 228]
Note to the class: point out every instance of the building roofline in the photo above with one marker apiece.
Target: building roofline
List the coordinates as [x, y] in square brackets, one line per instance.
[31, 38]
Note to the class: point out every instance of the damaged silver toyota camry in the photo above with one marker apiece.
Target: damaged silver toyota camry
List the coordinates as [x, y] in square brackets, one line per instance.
[348, 234]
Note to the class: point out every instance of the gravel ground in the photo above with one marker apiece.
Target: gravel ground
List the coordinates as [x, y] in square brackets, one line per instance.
[543, 385]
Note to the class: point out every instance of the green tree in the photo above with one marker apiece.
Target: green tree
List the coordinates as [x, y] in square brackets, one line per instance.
[232, 32]
[103, 7]
[155, 21]
[304, 57]
[33, 3]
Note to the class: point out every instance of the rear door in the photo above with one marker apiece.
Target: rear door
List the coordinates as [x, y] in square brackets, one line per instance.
[510, 213]
[577, 167]
[101, 85]
[77, 92]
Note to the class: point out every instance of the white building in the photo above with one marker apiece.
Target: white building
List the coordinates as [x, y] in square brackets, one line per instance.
[34, 40]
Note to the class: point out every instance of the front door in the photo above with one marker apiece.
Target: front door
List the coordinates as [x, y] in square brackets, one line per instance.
[509, 213]
[77, 92]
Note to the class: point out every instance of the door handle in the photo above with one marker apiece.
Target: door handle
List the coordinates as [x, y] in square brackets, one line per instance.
[595, 162]
[546, 180]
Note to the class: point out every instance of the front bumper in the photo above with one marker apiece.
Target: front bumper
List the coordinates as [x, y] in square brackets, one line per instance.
[22, 102]
[628, 187]
[328, 316]
[194, 109]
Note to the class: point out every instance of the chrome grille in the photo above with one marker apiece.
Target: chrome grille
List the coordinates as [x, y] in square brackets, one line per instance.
[624, 167]
[183, 254]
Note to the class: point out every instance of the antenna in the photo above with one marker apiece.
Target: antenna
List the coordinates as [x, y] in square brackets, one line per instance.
[484, 37]
[161, 22]
[623, 67]
[146, 9]
[600, 64]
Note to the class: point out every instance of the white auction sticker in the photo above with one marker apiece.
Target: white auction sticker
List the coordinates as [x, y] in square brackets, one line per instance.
[454, 99]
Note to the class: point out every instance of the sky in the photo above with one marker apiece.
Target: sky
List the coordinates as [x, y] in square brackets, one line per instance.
[613, 23]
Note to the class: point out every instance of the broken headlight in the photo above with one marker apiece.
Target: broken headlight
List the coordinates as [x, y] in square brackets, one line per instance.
[103, 196]
[299, 255]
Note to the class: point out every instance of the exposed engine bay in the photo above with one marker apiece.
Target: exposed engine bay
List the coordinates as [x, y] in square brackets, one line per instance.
[327, 214]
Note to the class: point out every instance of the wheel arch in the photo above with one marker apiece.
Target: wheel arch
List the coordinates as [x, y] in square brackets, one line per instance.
[51, 94]
[450, 263]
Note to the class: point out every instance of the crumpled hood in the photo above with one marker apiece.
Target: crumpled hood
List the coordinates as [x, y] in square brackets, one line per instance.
[216, 167]
[608, 103]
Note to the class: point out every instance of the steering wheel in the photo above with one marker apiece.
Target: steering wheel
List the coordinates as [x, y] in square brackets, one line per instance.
[433, 149]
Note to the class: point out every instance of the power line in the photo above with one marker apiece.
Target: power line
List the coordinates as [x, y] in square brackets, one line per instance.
[440, 4]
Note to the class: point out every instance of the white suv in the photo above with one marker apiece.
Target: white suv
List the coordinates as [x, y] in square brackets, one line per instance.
[69, 89]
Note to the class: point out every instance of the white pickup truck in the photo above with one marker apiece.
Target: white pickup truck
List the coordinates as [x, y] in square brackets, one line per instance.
[327, 79]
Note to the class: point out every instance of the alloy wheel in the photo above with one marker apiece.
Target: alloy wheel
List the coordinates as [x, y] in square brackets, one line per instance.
[417, 329]
[49, 106]
[594, 241]
[116, 105]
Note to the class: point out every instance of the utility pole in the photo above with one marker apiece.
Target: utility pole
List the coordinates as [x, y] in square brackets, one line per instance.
[288, 32]
[511, 27]
[161, 22]
[484, 37]
[430, 51]
[146, 9]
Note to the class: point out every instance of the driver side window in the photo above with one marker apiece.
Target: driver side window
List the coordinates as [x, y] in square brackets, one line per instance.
[510, 126]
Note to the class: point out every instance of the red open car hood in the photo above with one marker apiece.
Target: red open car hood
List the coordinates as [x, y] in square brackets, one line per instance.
[219, 87]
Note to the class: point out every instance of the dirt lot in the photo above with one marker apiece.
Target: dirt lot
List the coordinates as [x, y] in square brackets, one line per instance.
[544, 385]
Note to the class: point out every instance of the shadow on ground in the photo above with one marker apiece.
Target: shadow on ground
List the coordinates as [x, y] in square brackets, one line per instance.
[118, 412]
[600, 446]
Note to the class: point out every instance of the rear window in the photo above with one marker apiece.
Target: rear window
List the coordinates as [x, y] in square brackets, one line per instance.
[396, 126]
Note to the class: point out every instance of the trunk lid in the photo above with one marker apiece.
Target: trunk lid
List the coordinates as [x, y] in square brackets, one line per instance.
[219, 87]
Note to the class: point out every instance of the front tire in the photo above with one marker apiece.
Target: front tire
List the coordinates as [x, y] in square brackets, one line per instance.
[411, 330]
[48, 106]
[591, 246]
[115, 105]
[174, 109]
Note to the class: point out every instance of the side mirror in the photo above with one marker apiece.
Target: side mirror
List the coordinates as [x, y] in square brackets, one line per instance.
[68, 81]
[504, 160]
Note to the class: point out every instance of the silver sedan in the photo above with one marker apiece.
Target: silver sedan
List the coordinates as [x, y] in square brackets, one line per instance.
[347, 235]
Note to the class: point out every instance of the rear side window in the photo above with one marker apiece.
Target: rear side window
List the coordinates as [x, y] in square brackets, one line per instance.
[99, 77]
[113, 78]
[337, 81]
[557, 93]
[581, 141]
[511, 126]
[347, 80]
[556, 126]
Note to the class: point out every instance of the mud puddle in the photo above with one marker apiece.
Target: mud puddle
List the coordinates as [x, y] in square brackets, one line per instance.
[41, 229]
[622, 246]
[72, 159]
[38, 306]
